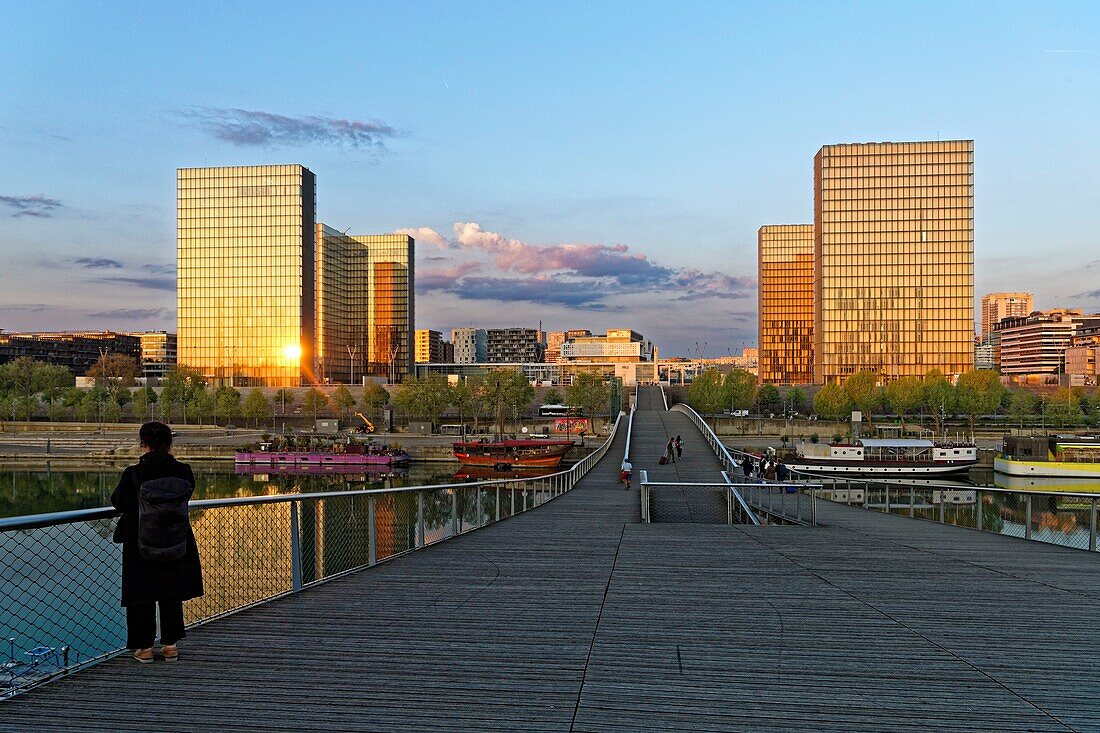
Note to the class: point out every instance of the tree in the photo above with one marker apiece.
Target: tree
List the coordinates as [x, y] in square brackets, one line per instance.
[863, 392]
[796, 399]
[707, 392]
[1022, 404]
[343, 400]
[201, 404]
[904, 395]
[831, 402]
[740, 389]
[939, 397]
[978, 392]
[768, 399]
[284, 398]
[552, 397]
[375, 396]
[115, 369]
[144, 397]
[227, 403]
[25, 376]
[1064, 407]
[506, 389]
[590, 391]
[425, 397]
[178, 388]
[315, 401]
[257, 407]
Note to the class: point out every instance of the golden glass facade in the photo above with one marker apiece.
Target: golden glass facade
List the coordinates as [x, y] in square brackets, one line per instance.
[785, 273]
[245, 273]
[341, 317]
[390, 275]
[893, 259]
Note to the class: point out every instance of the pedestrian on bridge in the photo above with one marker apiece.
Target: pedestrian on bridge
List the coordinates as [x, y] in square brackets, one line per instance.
[670, 450]
[625, 472]
[164, 573]
[679, 448]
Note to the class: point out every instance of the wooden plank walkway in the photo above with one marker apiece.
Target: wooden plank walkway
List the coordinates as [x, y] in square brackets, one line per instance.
[577, 617]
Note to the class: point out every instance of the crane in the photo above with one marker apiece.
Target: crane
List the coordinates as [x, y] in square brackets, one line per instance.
[368, 426]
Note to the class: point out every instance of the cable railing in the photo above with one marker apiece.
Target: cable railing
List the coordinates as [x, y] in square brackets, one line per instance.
[1061, 518]
[60, 573]
[737, 510]
[765, 497]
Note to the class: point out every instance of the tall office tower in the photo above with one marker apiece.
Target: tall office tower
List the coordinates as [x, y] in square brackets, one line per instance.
[996, 306]
[245, 273]
[785, 268]
[893, 259]
[341, 313]
[390, 278]
[470, 345]
[429, 346]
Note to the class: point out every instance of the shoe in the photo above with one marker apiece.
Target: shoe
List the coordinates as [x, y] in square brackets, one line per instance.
[171, 652]
[145, 656]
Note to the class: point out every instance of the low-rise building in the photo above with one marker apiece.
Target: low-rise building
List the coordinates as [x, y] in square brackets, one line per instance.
[429, 346]
[470, 345]
[1032, 347]
[513, 345]
[619, 345]
[76, 350]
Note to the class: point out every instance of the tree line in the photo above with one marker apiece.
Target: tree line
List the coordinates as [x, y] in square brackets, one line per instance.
[976, 393]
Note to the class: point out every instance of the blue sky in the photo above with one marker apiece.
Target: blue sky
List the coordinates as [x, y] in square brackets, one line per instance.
[651, 138]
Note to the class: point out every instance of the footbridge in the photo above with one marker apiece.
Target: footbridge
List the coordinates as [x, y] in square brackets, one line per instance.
[704, 607]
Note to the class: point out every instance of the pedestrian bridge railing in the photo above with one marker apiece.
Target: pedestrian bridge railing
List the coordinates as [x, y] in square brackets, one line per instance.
[1059, 518]
[738, 510]
[786, 501]
[60, 572]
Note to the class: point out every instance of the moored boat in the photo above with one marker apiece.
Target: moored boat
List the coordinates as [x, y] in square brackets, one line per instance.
[884, 457]
[1053, 456]
[505, 454]
[340, 454]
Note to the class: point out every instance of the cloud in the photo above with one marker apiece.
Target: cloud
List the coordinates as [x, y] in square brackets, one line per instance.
[24, 307]
[160, 269]
[38, 205]
[95, 263]
[444, 279]
[1088, 294]
[425, 234]
[153, 283]
[136, 314]
[251, 128]
[540, 290]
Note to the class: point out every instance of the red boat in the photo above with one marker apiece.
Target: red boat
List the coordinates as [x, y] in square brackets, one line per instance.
[505, 454]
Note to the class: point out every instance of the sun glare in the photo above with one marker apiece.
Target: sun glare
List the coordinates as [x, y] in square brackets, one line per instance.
[292, 351]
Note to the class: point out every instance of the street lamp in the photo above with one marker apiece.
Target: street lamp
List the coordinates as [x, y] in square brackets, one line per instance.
[352, 351]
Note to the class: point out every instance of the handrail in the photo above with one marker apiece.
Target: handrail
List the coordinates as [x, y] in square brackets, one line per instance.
[729, 463]
[630, 423]
[939, 485]
[297, 542]
[664, 399]
[745, 508]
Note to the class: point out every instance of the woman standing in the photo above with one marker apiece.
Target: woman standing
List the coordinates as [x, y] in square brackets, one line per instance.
[147, 584]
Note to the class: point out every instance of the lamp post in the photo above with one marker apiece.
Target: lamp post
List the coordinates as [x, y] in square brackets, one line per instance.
[351, 353]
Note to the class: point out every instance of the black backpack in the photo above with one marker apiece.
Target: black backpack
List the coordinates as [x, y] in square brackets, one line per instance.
[163, 523]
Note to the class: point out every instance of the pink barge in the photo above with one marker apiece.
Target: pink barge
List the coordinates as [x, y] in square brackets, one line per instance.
[340, 455]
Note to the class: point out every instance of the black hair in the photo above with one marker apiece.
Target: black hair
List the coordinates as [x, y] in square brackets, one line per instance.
[157, 436]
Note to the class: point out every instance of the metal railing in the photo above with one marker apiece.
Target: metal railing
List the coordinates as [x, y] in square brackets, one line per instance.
[737, 510]
[630, 423]
[60, 573]
[664, 399]
[761, 495]
[1066, 519]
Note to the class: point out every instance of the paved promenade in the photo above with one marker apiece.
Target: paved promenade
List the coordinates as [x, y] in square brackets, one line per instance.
[575, 617]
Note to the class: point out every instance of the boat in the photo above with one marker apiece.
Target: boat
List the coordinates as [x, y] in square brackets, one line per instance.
[885, 457]
[505, 454]
[340, 454]
[1050, 456]
[369, 472]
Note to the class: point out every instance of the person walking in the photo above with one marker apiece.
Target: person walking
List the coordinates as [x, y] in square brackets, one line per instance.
[679, 448]
[670, 450]
[152, 574]
[625, 471]
[746, 465]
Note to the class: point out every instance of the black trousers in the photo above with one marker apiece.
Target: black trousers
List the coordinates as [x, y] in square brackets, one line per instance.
[141, 624]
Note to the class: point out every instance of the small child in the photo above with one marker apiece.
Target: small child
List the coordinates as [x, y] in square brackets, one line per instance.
[624, 473]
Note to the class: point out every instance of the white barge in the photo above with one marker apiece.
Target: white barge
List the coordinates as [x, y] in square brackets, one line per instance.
[884, 457]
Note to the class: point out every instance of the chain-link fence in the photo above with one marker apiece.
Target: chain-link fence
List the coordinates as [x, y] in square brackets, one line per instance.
[60, 573]
[1067, 519]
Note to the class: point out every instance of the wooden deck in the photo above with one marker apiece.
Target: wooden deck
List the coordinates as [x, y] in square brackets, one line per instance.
[577, 617]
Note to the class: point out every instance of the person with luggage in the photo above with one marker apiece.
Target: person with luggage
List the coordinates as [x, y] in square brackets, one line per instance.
[625, 471]
[160, 559]
[679, 448]
[670, 450]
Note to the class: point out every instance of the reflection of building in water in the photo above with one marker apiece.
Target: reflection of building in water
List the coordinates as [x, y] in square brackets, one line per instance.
[336, 532]
[245, 553]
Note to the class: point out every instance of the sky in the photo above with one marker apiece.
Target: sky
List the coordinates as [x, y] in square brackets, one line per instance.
[580, 164]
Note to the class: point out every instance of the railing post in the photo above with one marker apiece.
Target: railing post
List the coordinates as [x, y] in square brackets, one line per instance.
[498, 505]
[524, 498]
[887, 498]
[1092, 527]
[943, 506]
[477, 507]
[512, 494]
[372, 534]
[420, 519]
[912, 498]
[979, 519]
[295, 549]
[729, 505]
[456, 520]
[1027, 523]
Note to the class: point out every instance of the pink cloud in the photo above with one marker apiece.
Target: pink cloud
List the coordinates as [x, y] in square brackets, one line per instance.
[444, 279]
[425, 234]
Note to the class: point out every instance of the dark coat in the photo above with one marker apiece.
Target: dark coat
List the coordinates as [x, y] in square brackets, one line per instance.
[145, 581]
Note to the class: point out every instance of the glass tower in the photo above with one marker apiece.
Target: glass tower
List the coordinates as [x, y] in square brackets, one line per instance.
[893, 259]
[341, 314]
[245, 248]
[388, 271]
[785, 270]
